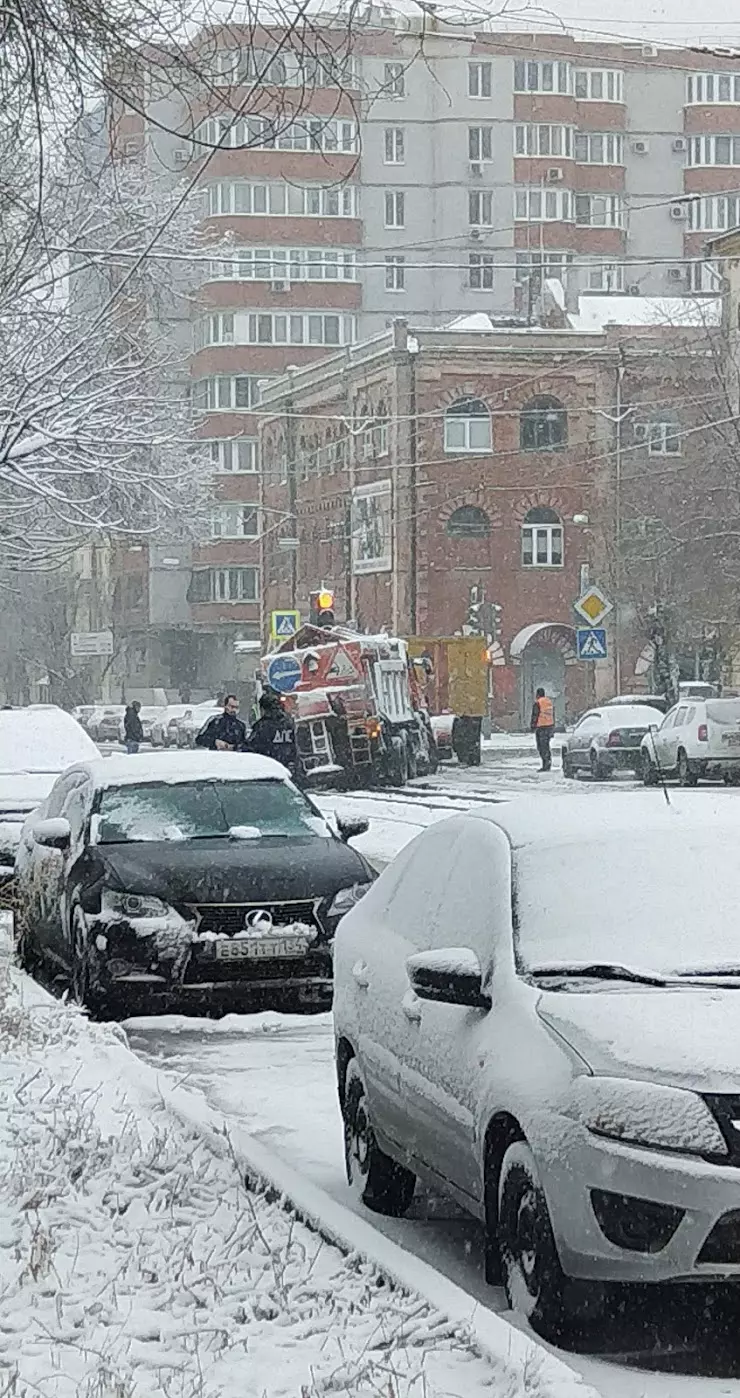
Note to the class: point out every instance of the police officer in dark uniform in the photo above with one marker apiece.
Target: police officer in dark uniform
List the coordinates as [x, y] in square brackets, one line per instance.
[273, 734]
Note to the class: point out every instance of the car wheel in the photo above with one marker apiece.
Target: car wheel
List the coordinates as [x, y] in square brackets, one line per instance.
[599, 772]
[649, 770]
[535, 1283]
[375, 1180]
[686, 774]
[84, 991]
[568, 768]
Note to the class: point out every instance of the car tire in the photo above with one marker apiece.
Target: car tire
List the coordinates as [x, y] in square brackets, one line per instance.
[376, 1180]
[648, 770]
[568, 768]
[27, 958]
[599, 772]
[686, 774]
[535, 1283]
[83, 990]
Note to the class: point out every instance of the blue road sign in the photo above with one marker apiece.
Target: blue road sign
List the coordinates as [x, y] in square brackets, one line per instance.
[284, 624]
[283, 673]
[591, 643]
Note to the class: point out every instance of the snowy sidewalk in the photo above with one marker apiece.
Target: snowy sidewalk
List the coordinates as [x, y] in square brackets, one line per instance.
[134, 1263]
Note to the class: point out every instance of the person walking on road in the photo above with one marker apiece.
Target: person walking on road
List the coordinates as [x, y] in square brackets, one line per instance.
[543, 726]
[133, 732]
[225, 732]
[273, 734]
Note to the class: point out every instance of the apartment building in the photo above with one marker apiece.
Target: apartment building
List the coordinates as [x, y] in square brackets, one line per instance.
[428, 173]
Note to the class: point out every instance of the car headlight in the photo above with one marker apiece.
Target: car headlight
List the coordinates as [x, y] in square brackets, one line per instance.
[346, 899]
[132, 904]
[645, 1114]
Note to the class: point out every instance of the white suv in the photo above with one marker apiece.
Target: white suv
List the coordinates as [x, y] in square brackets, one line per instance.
[697, 738]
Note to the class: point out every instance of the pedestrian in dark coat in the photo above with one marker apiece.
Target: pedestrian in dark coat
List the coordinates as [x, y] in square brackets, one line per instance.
[133, 732]
[225, 732]
[273, 734]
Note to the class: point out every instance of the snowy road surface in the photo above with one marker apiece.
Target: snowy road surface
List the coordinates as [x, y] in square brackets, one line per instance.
[274, 1075]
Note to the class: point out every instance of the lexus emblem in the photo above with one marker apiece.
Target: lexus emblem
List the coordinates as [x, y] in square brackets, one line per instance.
[259, 920]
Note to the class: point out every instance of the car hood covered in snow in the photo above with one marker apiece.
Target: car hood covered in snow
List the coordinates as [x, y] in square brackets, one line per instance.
[686, 1037]
[226, 870]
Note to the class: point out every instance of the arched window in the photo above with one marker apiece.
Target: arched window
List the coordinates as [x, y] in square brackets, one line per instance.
[543, 425]
[542, 539]
[469, 523]
[467, 426]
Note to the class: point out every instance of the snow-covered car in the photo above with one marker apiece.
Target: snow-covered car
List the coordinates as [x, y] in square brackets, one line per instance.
[697, 738]
[164, 728]
[104, 724]
[82, 713]
[210, 878]
[148, 716]
[653, 701]
[35, 746]
[607, 740]
[536, 1009]
[195, 718]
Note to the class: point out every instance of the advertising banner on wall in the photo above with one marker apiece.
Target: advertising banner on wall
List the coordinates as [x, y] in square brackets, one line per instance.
[372, 537]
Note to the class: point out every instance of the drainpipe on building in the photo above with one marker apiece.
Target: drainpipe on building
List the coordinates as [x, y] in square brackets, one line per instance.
[411, 353]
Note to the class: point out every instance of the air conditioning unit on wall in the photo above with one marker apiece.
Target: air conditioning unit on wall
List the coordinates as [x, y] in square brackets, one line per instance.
[555, 174]
[676, 274]
[641, 147]
[678, 212]
[680, 144]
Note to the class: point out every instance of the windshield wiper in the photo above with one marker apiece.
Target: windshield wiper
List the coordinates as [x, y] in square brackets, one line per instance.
[597, 970]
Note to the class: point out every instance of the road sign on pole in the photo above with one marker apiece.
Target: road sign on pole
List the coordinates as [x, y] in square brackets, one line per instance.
[591, 643]
[284, 624]
[91, 643]
[593, 605]
[283, 673]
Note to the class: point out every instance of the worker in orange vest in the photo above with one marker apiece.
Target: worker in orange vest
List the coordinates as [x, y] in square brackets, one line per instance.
[543, 726]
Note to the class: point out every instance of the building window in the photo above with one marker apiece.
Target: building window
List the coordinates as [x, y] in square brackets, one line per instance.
[296, 328]
[227, 393]
[395, 208]
[605, 276]
[394, 80]
[281, 199]
[703, 277]
[394, 146]
[235, 522]
[480, 208]
[480, 143]
[469, 522]
[542, 539]
[714, 150]
[395, 273]
[714, 213]
[467, 426]
[533, 267]
[234, 456]
[215, 329]
[541, 77]
[224, 585]
[710, 89]
[543, 425]
[480, 270]
[599, 210]
[543, 140]
[275, 133]
[597, 148]
[538, 205]
[479, 80]
[599, 85]
[664, 439]
[285, 265]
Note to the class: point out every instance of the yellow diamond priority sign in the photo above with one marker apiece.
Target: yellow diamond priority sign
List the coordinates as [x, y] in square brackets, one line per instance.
[593, 605]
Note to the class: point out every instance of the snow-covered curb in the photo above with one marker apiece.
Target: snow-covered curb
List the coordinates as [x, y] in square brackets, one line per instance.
[133, 1263]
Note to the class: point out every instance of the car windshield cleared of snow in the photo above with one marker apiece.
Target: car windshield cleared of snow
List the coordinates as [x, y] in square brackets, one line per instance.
[664, 903]
[205, 810]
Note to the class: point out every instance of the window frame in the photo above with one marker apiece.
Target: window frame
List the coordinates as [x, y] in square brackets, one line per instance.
[660, 432]
[554, 544]
[480, 79]
[394, 203]
[395, 272]
[481, 271]
[394, 81]
[484, 200]
[466, 421]
[226, 509]
[221, 454]
[605, 78]
[397, 141]
[543, 408]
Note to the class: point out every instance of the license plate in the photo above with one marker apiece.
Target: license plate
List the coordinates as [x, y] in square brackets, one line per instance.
[259, 948]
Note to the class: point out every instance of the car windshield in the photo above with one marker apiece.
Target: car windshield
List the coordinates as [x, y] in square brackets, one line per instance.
[202, 810]
[664, 901]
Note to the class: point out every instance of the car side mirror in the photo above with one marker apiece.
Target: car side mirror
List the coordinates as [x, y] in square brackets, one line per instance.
[53, 834]
[449, 977]
[352, 826]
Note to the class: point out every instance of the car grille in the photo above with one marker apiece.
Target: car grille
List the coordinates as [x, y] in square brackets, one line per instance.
[725, 1108]
[204, 968]
[229, 918]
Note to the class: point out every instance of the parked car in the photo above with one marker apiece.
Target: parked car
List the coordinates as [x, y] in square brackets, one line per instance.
[607, 740]
[653, 701]
[82, 713]
[195, 718]
[164, 728]
[35, 746]
[210, 878]
[148, 716]
[554, 1042]
[697, 738]
[104, 724]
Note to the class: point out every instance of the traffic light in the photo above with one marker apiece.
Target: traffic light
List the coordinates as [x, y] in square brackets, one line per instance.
[484, 618]
[322, 607]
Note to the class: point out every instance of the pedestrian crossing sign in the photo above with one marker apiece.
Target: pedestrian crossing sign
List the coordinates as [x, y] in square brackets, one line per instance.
[284, 624]
[591, 643]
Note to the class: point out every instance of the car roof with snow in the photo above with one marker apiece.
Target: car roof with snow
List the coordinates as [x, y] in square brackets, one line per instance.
[42, 739]
[176, 767]
[585, 820]
[625, 714]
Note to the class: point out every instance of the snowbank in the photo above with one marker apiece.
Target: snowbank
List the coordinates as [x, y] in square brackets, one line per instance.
[134, 1263]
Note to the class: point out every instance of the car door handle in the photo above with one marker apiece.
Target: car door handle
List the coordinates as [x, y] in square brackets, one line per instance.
[411, 1005]
[360, 973]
